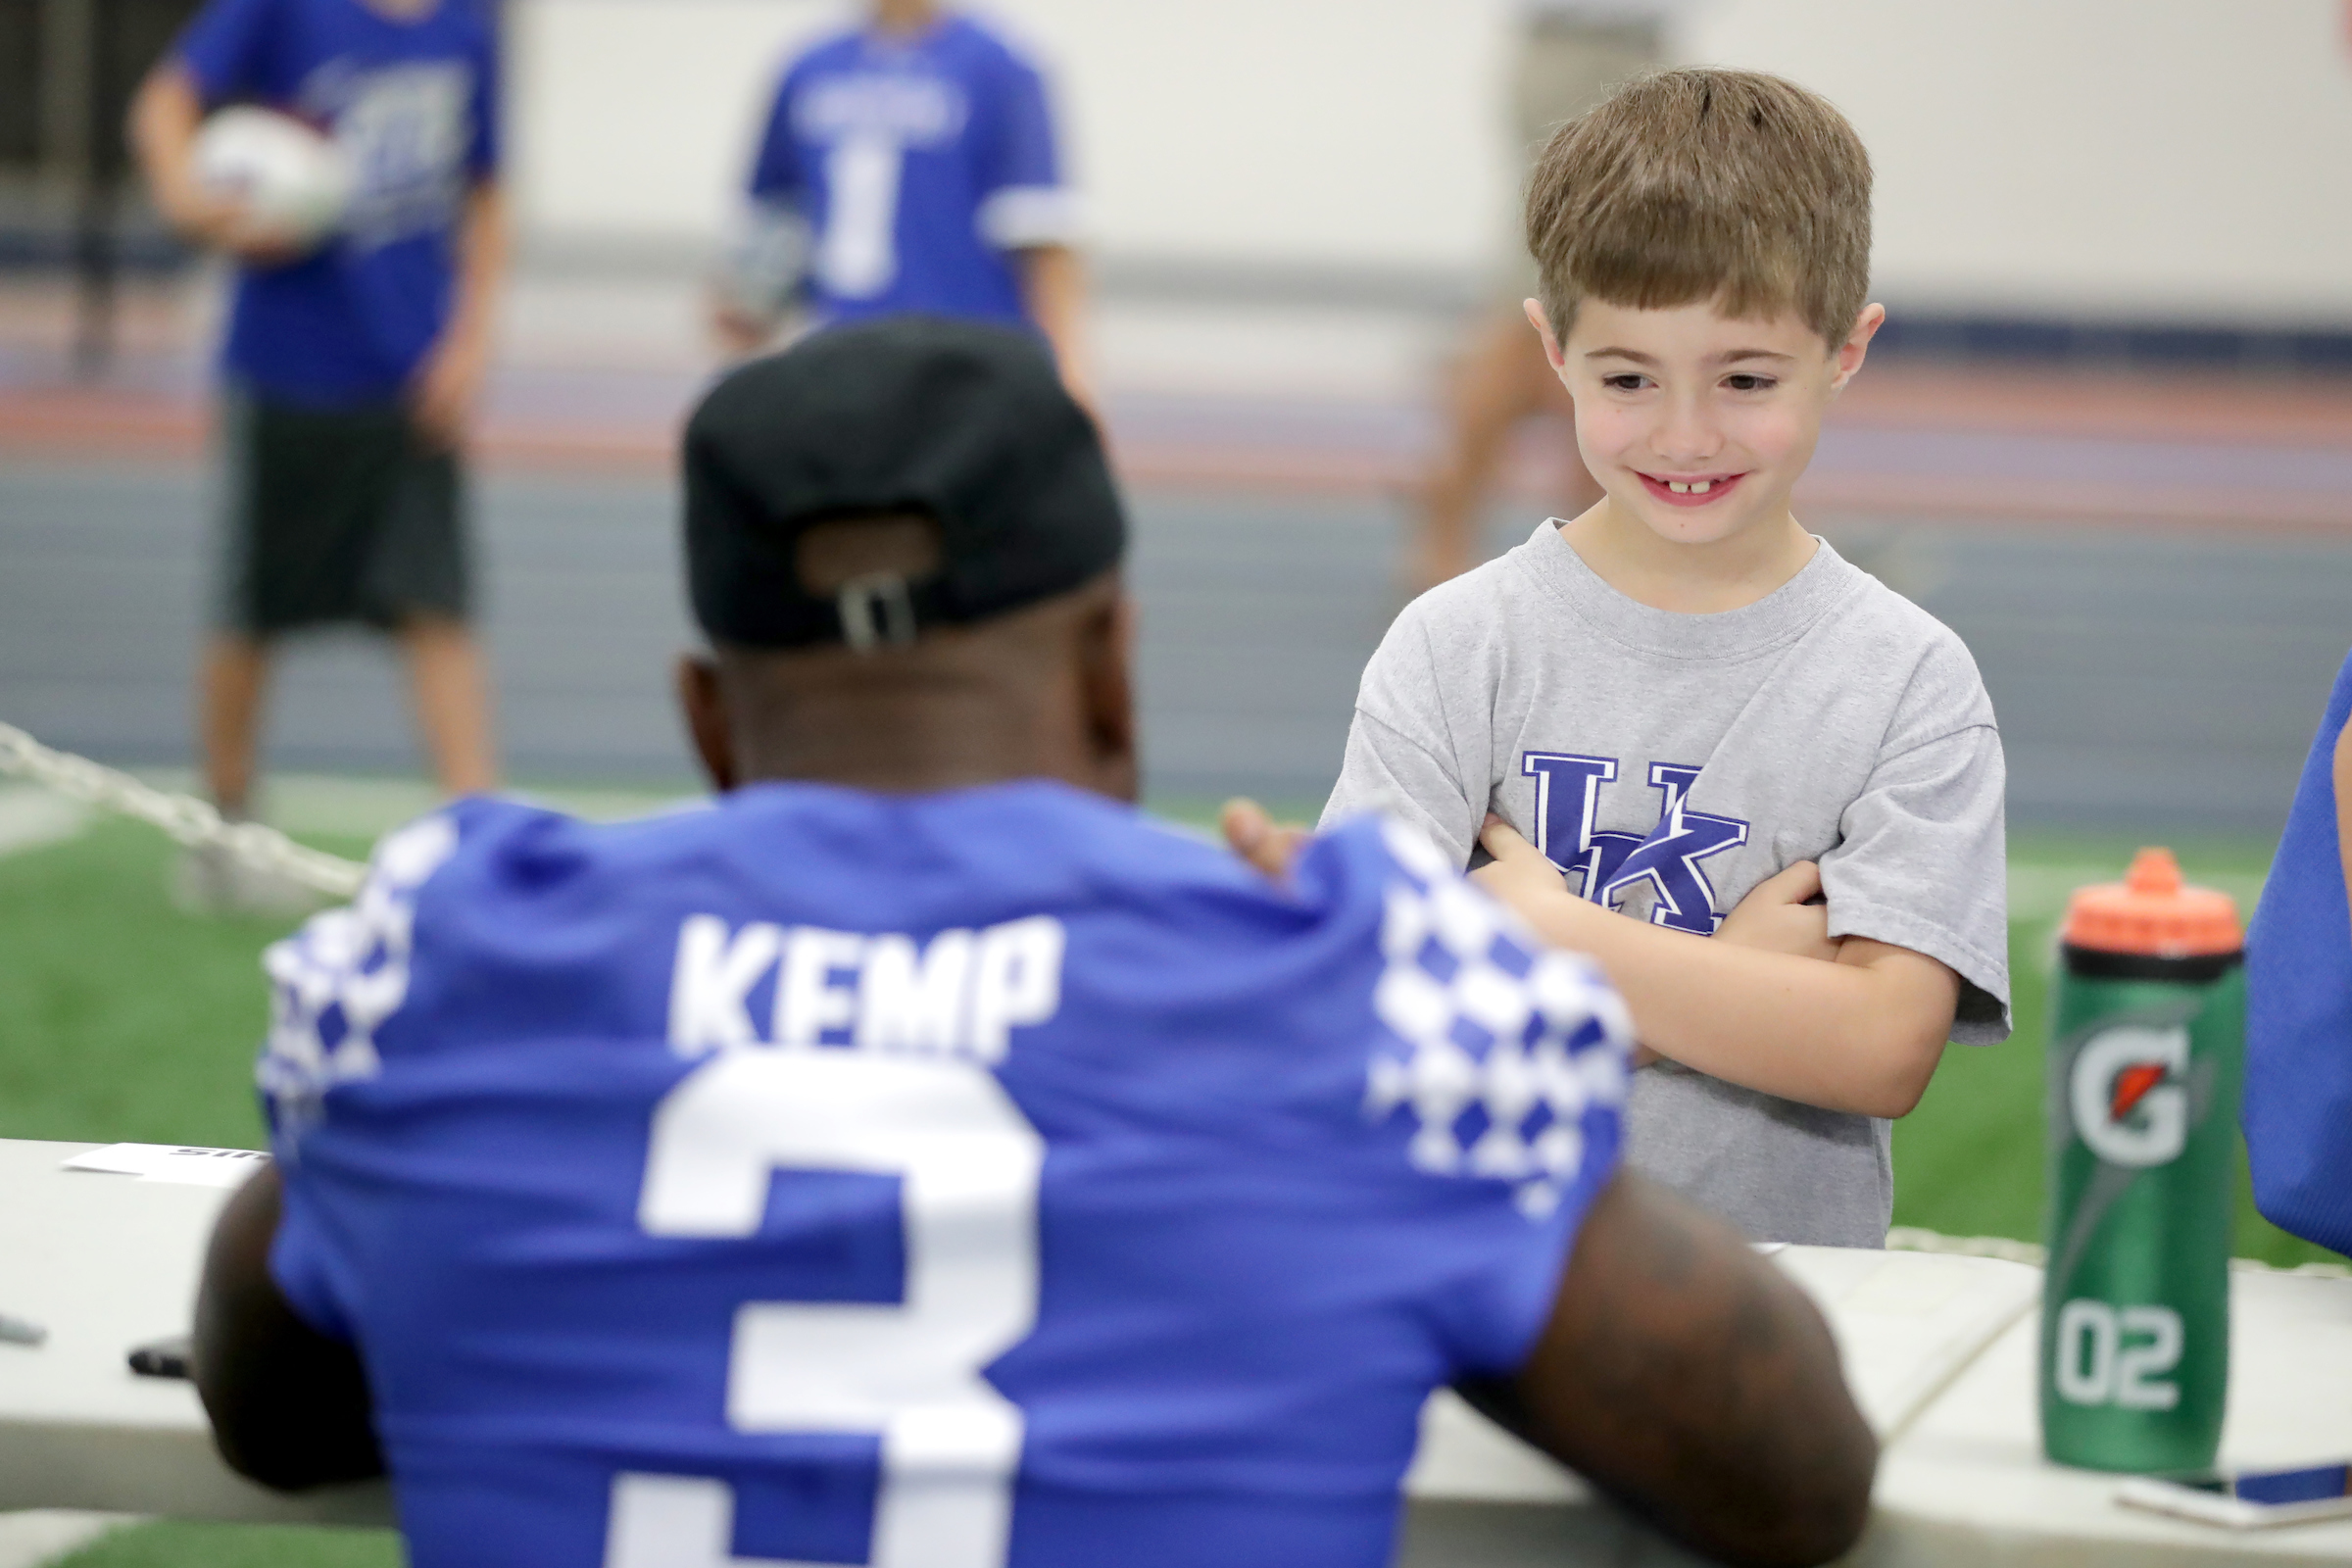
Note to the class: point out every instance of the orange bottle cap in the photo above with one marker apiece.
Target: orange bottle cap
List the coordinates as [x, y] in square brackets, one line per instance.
[2152, 912]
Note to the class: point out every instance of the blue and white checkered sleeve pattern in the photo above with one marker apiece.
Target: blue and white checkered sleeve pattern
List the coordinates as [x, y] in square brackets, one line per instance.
[335, 982]
[1509, 1058]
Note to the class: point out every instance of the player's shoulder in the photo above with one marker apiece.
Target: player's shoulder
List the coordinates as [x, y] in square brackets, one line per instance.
[218, 20]
[986, 43]
[479, 865]
[476, 18]
[832, 51]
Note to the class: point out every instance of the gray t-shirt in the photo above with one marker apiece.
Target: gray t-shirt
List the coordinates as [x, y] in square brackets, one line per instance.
[1668, 764]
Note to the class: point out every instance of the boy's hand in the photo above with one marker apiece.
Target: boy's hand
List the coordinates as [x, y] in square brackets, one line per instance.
[226, 224]
[448, 384]
[1782, 914]
[1259, 839]
[1519, 870]
[740, 332]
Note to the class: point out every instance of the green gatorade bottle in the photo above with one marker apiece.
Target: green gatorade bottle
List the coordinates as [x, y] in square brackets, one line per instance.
[2146, 1049]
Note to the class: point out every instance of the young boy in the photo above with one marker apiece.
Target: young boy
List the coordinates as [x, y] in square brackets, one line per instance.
[352, 368]
[909, 165]
[1681, 700]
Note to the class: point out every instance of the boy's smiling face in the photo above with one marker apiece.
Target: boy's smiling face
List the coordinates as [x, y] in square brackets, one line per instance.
[1697, 425]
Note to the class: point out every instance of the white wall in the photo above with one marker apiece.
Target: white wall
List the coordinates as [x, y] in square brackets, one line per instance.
[2125, 158]
[2111, 157]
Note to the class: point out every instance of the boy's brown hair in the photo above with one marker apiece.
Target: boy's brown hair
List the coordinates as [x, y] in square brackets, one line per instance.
[1728, 186]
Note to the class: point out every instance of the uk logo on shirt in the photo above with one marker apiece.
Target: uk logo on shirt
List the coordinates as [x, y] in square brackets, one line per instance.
[1605, 865]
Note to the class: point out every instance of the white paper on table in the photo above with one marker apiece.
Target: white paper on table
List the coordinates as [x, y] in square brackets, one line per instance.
[179, 1165]
[1908, 1323]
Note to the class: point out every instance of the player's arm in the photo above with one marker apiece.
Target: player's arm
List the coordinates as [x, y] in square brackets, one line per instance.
[1685, 1376]
[450, 381]
[766, 259]
[289, 1407]
[769, 250]
[164, 116]
[1862, 1032]
[1054, 291]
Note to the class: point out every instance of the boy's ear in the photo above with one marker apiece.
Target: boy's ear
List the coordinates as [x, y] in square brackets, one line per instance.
[1551, 342]
[1856, 346]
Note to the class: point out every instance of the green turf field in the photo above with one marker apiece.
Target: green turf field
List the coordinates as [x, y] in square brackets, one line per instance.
[122, 1019]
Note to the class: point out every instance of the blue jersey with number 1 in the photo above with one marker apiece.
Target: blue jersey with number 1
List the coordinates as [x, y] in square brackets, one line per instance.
[918, 167]
[989, 1179]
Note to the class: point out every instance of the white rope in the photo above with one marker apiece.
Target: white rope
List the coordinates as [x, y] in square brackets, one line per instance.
[190, 822]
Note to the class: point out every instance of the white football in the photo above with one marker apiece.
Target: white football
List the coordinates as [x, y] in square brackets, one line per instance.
[285, 173]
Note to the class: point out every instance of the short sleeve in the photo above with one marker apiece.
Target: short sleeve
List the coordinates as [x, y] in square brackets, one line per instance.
[487, 150]
[1496, 1087]
[1025, 200]
[222, 47]
[1921, 863]
[333, 985]
[1400, 757]
[777, 177]
[2298, 1100]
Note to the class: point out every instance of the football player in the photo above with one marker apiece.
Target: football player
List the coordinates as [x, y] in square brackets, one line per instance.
[909, 164]
[923, 1158]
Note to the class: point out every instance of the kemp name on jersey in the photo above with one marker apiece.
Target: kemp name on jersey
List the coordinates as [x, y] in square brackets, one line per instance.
[982, 1180]
[960, 994]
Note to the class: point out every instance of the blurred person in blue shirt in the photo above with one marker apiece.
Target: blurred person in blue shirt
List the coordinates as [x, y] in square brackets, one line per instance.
[2298, 1107]
[352, 364]
[910, 165]
[923, 1158]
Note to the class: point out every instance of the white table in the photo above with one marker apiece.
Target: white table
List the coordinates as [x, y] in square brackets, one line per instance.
[106, 1262]
[1939, 1351]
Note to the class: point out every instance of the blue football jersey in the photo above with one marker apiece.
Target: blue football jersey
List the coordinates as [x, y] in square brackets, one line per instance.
[915, 168]
[412, 103]
[989, 1179]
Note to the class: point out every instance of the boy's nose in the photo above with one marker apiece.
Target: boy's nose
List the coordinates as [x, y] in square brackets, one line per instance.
[1686, 435]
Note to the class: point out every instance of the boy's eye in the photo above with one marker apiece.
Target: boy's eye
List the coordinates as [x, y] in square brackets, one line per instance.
[1745, 383]
[1623, 381]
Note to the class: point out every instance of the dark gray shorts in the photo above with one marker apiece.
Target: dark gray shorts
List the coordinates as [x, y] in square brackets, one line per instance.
[337, 515]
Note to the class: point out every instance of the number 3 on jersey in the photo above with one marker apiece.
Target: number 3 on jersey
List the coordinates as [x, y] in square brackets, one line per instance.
[968, 1163]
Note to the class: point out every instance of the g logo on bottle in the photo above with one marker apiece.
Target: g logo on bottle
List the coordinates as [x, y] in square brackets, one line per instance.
[2129, 1093]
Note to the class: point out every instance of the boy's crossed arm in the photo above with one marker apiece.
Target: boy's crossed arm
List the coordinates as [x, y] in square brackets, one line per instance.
[1769, 1002]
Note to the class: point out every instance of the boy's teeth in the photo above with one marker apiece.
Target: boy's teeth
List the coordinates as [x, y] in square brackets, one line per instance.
[1696, 487]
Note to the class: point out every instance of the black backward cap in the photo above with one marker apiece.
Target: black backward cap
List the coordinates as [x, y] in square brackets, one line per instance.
[962, 422]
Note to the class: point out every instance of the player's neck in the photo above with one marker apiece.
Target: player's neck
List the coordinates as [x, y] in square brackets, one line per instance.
[1691, 579]
[921, 743]
[904, 18]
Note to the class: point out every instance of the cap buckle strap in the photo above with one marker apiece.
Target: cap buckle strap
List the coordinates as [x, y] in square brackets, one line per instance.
[875, 610]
